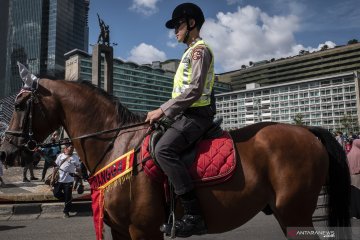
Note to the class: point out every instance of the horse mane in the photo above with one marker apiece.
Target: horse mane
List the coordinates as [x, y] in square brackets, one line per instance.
[123, 114]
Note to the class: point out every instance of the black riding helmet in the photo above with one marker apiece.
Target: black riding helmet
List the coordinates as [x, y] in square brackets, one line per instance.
[186, 11]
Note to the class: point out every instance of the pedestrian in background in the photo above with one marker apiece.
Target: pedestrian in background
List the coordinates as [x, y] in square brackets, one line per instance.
[340, 138]
[348, 145]
[354, 166]
[37, 157]
[2, 183]
[67, 162]
[50, 154]
[27, 159]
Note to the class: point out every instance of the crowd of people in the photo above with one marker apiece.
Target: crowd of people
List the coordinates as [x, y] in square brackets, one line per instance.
[346, 140]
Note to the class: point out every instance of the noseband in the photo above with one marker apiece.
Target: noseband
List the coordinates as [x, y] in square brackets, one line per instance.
[27, 129]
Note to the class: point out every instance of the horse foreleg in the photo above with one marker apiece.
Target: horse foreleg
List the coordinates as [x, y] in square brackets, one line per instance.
[139, 234]
[116, 235]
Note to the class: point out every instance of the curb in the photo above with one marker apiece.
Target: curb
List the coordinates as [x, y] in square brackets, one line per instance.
[41, 210]
[38, 197]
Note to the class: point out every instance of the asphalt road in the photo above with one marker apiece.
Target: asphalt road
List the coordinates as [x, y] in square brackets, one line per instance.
[80, 227]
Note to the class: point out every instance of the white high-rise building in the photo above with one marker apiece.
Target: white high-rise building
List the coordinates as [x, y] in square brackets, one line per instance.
[331, 102]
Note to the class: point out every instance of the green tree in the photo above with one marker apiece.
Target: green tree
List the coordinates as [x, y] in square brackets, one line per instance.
[298, 119]
[353, 41]
[324, 47]
[346, 123]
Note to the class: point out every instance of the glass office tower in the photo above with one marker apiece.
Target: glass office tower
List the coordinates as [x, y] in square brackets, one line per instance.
[39, 33]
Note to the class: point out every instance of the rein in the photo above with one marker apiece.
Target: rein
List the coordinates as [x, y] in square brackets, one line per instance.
[111, 144]
[61, 142]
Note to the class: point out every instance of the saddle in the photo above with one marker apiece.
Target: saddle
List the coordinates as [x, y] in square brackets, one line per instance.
[210, 160]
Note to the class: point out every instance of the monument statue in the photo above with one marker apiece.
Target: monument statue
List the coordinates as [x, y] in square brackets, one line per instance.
[104, 36]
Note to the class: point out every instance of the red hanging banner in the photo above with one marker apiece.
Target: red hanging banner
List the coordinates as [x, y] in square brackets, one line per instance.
[119, 169]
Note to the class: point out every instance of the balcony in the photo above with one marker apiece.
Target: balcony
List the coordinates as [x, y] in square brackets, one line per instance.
[266, 120]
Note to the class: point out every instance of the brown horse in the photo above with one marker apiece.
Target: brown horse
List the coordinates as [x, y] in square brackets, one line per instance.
[278, 165]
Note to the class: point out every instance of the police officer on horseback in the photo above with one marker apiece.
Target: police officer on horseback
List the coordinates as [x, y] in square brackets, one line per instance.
[192, 108]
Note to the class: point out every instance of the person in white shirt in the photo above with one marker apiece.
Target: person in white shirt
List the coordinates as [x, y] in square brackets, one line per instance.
[67, 162]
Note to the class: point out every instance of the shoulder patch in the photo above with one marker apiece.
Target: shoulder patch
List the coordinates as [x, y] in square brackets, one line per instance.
[197, 53]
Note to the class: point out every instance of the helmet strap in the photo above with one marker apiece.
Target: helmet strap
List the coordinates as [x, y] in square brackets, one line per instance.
[186, 38]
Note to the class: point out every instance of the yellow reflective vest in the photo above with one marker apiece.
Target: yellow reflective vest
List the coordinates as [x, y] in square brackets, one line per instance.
[183, 77]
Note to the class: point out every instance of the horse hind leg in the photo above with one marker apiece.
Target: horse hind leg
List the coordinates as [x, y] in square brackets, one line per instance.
[295, 213]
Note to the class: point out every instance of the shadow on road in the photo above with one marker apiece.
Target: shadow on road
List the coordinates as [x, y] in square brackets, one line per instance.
[5, 227]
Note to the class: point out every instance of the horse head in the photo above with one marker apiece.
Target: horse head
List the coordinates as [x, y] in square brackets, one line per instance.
[31, 121]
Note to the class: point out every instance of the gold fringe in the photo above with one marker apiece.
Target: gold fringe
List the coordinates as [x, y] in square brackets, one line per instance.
[119, 181]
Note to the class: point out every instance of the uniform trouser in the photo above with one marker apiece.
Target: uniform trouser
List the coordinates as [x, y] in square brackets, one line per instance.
[183, 133]
[63, 191]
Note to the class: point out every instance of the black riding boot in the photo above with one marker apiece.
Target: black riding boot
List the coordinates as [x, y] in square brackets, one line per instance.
[192, 223]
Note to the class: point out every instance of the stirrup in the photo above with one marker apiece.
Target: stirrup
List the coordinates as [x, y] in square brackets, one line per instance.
[189, 225]
[169, 228]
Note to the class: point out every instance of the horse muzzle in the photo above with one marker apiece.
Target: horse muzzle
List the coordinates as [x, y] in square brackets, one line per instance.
[8, 154]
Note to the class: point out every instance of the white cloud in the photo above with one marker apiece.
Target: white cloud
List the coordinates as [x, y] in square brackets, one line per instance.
[146, 7]
[330, 44]
[173, 43]
[250, 34]
[232, 2]
[145, 53]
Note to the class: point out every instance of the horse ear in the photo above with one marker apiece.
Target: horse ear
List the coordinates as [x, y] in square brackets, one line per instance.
[29, 79]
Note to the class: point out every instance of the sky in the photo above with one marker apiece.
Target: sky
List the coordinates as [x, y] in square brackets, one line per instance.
[238, 31]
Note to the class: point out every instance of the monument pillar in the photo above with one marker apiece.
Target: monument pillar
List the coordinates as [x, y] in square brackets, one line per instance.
[100, 50]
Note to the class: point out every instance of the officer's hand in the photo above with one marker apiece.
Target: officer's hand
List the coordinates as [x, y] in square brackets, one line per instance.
[154, 115]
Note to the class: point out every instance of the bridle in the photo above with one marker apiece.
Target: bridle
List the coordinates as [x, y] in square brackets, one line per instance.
[27, 129]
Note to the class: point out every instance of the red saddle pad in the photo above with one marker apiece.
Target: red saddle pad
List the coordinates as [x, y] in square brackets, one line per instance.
[215, 161]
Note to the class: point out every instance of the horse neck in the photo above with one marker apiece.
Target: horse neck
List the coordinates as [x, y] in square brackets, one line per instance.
[84, 111]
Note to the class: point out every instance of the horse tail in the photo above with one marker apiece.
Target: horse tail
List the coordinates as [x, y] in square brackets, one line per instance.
[337, 188]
